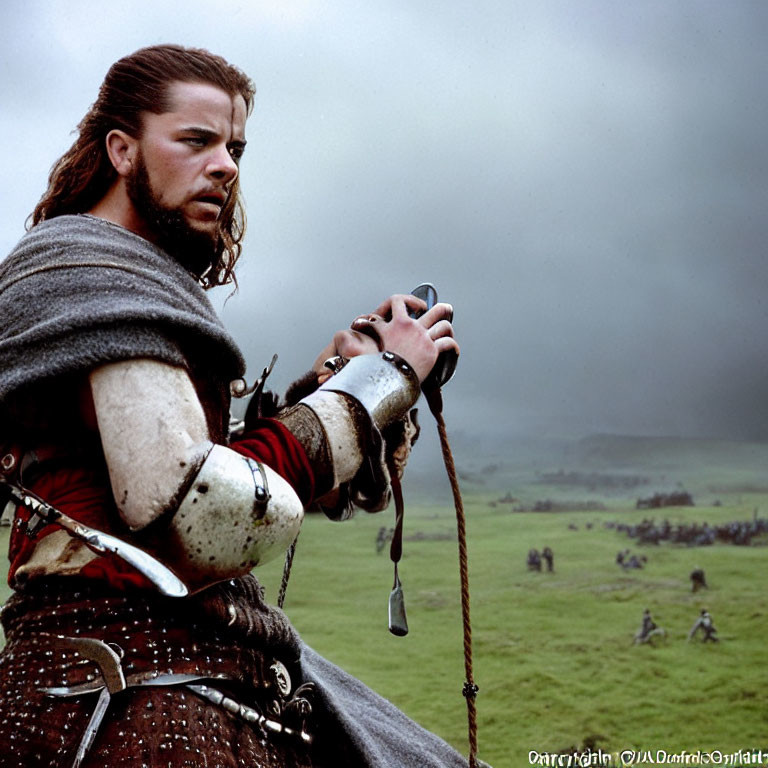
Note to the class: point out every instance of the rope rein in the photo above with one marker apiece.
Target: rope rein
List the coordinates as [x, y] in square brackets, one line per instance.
[435, 401]
[291, 551]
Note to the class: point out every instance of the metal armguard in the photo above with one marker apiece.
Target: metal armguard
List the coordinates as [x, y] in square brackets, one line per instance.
[377, 389]
[385, 385]
[237, 513]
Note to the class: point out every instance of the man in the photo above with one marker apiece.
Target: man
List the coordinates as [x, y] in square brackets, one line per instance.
[698, 579]
[114, 399]
[706, 625]
[648, 629]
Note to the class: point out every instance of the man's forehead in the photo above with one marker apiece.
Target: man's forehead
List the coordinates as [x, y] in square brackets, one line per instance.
[205, 101]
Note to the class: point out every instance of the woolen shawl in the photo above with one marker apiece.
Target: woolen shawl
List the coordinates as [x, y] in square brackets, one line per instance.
[78, 292]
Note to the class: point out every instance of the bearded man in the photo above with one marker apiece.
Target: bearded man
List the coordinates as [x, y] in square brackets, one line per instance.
[114, 397]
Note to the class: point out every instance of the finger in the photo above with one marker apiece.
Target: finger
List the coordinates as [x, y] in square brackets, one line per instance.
[385, 309]
[370, 326]
[440, 311]
[362, 321]
[440, 329]
[404, 303]
[354, 342]
[446, 343]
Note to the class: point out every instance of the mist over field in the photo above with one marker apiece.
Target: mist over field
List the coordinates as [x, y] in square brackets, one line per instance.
[585, 182]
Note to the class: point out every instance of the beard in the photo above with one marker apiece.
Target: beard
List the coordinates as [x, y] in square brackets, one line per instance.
[196, 251]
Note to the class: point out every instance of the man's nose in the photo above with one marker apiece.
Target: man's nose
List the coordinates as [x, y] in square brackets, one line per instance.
[222, 165]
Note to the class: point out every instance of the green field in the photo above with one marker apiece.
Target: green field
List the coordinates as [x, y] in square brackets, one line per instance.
[554, 657]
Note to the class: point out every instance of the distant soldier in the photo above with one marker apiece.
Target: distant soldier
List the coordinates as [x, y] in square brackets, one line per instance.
[382, 538]
[648, 629]
[698, 579]
[549, 556]
[706, 625]
[621, 556]
[534, 560]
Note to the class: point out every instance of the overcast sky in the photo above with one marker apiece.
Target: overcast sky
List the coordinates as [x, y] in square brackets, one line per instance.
[586, 181]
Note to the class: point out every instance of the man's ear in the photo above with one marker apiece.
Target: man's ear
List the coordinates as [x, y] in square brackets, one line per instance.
[122, 149]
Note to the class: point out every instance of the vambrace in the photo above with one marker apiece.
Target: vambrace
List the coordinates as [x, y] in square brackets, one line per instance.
[236, 514]
[348, 411]
[384, 385]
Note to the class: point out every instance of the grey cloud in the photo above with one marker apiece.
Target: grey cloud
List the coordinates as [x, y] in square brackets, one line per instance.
[585, 182]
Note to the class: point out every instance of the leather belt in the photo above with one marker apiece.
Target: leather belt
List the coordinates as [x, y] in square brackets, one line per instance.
[111, 680]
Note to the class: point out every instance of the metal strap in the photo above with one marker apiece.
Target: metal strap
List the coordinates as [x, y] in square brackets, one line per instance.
[248, 714]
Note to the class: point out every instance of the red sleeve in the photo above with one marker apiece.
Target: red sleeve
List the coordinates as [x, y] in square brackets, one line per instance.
[84, 495]
[271, 443]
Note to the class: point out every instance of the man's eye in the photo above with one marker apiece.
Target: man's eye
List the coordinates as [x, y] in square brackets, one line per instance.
[236, 152]
[194, 141]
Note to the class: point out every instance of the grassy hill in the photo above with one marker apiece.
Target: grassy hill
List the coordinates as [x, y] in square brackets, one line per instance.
[554, 657]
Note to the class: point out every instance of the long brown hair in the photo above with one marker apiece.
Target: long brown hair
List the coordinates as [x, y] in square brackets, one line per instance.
[136, 84]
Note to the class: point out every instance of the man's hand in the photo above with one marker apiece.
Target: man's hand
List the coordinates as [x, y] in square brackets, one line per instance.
[389, 327]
